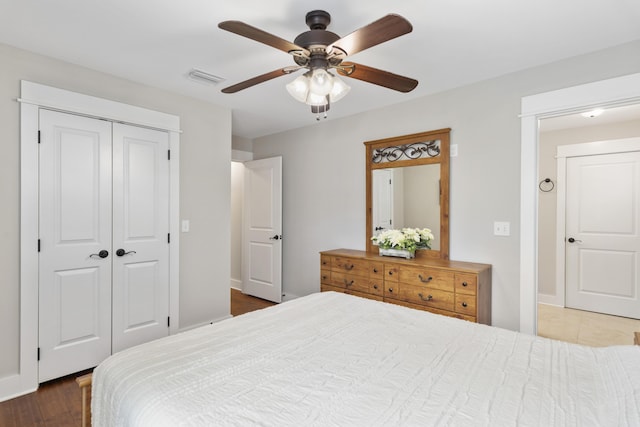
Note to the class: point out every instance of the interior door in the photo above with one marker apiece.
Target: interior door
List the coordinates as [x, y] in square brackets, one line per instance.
[603, 236]
[140, 235]
[262, 229]
[75, 243]
[382, 214]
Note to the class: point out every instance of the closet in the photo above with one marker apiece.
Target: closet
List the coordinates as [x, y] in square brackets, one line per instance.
[103, 246]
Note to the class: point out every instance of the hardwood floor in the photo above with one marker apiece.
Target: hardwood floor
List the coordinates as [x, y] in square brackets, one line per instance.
[57, 403]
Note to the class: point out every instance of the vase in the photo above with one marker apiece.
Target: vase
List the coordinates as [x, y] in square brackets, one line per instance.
[400, 253]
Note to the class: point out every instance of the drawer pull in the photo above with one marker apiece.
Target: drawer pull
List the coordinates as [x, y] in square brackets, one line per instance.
[423, 280]
[347, 284]
[375, 286]
[390, 272]
[464, 304]
[348, 267]
[465, 284]
[375, 270]
[324, 277]
[390, 290]
[428, 298]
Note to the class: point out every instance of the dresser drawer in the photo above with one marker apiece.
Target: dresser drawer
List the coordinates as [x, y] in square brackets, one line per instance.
[376, 287]
[353, 266]
[466, 283]
[421, 295]
[350, 281]
[376, 270]
[325, 276]
[391, 273]
[465, 304]
[436, 279]
[325, 262]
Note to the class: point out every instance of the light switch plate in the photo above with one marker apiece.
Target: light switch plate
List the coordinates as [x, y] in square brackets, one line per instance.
[501, 228]
[185, 225]
[453, 150]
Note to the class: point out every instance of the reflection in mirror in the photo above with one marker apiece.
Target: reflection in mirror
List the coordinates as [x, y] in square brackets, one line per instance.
[407, 196]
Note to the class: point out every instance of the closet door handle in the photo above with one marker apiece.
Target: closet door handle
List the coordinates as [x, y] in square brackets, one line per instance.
[122, 252]
[101, 254]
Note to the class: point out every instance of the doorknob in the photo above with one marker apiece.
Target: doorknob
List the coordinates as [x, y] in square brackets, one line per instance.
[101, 254]
[276, 237]
[572, 240]
[121, 252]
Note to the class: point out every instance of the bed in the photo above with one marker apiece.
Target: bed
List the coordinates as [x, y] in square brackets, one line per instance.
[331, 359]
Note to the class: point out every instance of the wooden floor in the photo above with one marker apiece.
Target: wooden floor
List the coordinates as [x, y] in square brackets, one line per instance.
[57, 402]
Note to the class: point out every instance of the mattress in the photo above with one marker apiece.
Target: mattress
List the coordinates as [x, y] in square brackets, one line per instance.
[331, 359]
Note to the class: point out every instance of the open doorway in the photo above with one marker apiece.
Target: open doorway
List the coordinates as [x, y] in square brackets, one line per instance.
[555, 318]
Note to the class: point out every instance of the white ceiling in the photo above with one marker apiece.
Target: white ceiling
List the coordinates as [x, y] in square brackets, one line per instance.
[454, 42]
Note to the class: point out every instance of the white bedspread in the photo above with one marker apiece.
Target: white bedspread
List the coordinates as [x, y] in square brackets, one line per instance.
[331, 359]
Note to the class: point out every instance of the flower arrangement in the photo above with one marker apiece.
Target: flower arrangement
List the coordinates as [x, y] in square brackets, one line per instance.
[408, 239]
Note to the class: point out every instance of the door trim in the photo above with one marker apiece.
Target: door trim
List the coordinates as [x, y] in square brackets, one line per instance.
[564, 152]
[612, 92]
[33, 97]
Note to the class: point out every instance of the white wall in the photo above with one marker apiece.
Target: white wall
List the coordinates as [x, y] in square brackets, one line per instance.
[547, 203]
[204, 187]
[324, 167]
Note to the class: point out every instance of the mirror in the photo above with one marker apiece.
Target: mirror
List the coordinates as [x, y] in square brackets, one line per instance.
[408, 186]
[407, 196]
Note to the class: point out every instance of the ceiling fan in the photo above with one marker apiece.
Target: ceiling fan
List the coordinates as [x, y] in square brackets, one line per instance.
[319, 51]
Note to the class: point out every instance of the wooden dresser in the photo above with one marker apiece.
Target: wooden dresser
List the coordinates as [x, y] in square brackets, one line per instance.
[452, 288]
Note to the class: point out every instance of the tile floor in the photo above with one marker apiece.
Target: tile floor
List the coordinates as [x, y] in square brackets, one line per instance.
[585, 327]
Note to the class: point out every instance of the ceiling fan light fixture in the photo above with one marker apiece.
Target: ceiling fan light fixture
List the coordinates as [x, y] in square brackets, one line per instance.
[299, 88]
[321, 82]
[339, 89]
[315, 99]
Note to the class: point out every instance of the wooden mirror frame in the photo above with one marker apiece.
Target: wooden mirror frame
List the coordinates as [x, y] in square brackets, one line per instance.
[441, 158]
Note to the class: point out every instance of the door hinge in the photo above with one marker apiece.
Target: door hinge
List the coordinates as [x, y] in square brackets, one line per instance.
[168, 154]
[168, 321]
[38, 137]
[38, 245]
[168, 237]
[38, 354]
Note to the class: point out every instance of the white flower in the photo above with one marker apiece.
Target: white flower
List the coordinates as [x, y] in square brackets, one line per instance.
[407, 238]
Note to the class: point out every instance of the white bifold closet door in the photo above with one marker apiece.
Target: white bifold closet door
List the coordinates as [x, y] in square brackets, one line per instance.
[104, 250]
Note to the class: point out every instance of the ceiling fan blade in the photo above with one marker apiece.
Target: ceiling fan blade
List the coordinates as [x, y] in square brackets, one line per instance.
[261, 36]
[259, 79]
[384, 29]
[377, 77]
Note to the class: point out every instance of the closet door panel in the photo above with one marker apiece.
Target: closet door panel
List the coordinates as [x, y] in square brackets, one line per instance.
[140, 235]
[75, 243]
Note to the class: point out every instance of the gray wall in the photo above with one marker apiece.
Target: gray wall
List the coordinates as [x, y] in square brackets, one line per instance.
[324, 168]
[204, 187]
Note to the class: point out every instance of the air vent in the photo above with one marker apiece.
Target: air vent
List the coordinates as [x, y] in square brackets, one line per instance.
[204, 77]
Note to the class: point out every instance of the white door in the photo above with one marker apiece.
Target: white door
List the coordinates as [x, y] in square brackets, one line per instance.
[382, 215]
[262, 229]
[603, 235]
[75, 243]
[140, 235]
[104, 249]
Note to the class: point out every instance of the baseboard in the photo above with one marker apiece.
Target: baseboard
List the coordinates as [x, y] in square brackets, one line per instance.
[197, 325]
[236, 284]
[13, 386]
[550, 300]
[286, 296]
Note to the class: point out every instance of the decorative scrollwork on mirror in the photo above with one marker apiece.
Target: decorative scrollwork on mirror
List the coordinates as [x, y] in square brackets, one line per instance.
[408, 186]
